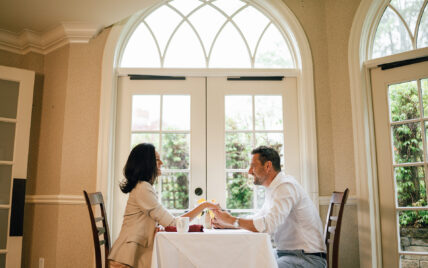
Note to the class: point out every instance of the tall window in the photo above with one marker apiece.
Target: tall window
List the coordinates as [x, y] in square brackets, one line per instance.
[403, 27]
[207, 34]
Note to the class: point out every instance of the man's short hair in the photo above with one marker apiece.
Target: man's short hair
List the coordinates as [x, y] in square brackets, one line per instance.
[268, 154]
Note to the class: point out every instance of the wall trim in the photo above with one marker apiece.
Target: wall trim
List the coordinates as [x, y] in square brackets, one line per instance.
[46, 42]
[325, 200]
[55, 199]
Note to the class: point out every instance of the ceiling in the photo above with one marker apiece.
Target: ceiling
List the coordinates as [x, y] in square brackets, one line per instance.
[44, 15]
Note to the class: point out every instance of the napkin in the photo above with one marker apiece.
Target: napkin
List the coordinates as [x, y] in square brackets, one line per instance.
[192, 228]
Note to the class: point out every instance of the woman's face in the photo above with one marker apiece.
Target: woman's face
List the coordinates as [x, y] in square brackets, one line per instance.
[159, 163]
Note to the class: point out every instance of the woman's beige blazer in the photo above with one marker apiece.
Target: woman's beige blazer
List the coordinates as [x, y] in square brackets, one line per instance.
[143, 211]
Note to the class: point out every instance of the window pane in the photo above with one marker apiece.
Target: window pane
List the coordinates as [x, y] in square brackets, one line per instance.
[5, 180]
[391, 36]
[403, 101]
[138, 138]
[176, 112]
[274, 140]
[413, 235]
[228, 6]
[141, 50]
[175, 151]
[409, 10]
[423, 30]
[252, 23]
[229, 50]
[145, 112]
[163, 21]
[185, 49]
[273, 52]
[239, 191]
[238, 111]
[175, 190]
[185, 6]
[410, 186]
[4, 224]
[207, 22]
[268, 112]
[238, 150]
[412, 261]
[407, 143]
[7, 139]
[8, 98]
[424, 85]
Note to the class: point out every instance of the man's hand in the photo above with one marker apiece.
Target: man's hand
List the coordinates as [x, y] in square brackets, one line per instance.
[222, 219]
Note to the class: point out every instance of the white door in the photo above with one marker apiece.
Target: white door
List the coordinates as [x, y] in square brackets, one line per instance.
[212, 123]
[16, 99]
[400, 101]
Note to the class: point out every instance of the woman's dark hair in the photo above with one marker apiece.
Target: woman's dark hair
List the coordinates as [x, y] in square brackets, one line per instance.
[141, 166]
[268, 154]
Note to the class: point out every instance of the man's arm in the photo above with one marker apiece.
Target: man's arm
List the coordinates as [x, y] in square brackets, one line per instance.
[225, 220]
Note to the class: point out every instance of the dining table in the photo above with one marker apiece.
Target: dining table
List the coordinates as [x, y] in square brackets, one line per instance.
[213, 248]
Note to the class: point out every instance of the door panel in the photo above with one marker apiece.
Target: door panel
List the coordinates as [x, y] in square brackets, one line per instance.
[400, 102]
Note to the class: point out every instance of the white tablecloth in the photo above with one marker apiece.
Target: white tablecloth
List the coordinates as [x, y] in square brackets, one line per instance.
[213, 248]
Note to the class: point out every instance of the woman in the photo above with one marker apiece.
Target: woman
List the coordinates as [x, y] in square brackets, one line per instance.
[134, 246]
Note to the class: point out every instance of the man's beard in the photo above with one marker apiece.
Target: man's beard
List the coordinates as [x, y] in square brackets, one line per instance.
[258, 181]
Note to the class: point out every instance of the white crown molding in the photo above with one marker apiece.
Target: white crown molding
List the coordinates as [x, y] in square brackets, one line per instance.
[46, 42]
[55, 199]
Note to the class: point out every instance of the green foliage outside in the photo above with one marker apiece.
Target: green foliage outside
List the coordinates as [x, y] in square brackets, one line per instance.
[408, 148]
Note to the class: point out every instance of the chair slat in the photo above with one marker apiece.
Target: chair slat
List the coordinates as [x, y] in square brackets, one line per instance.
[333, 218]
[97, 219]
[101, 230]
[332, 229]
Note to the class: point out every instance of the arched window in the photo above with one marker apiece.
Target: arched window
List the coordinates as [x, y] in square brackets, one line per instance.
[207, 34]
[403, 27]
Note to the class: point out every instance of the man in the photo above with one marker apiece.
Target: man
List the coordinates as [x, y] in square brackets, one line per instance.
[288, 214]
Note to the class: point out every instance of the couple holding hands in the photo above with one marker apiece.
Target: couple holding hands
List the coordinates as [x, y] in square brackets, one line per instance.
[288, 213]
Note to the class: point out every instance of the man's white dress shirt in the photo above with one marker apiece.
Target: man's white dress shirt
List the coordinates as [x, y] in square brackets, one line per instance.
[289, 215]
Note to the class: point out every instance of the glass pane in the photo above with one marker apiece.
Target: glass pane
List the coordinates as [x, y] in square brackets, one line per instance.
[403, 101]
[273, 52]
[4, 223]
[252, 23]
[137, 138]
[274, 140]
[185, 50]
[207, 22]
[228, 6]
[9, 91]
[5, 179]
[175, 151]
[145, 112]
[176, 112]
[238, 150]
[141, 50]
[238, 112]
[268, 112]
[185, 6]
[410, 186]
[2, 260]
[175, 190]
[407, 142]
[260, 196]
[413, 234]
[424, 85]
[391, 36]
[7, 139]
[162, 22]
[239, 191]
[412, 261]
[423, 30]
[409, 10]
[229, 50]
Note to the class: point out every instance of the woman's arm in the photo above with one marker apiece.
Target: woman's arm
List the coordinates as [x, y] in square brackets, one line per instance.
[195, 212]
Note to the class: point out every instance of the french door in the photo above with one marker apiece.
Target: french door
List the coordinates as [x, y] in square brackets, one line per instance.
[204, 129]
[400, 101]
[16, 99]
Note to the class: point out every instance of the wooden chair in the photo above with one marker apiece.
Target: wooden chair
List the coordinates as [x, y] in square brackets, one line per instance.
[337, 201]
[96, 199]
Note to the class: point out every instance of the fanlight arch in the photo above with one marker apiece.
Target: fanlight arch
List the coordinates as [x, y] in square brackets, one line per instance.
[206, 34]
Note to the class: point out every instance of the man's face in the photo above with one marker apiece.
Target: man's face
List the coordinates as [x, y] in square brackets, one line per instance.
[258, 170]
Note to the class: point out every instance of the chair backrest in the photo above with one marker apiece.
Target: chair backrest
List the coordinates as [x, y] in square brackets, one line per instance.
[334, 215]
[100, 230]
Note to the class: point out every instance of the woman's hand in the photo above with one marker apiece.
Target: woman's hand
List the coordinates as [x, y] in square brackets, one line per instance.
[159, 228]
[211, 205]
